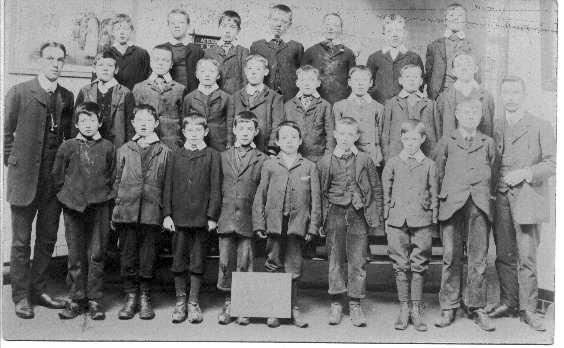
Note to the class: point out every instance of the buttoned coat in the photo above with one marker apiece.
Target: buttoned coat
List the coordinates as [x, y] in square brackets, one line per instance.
[232, 65]
[366, 179]
[302, 181]
[193, 54]
[238, 191]
[465, 172]
[25, 119]
[218, 109]
[410, 192]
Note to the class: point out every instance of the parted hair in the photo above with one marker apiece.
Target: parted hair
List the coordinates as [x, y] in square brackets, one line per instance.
[257, 57]
[178, 11]
[88, 108]
[290, 124]
[234, 16]
[53, 44]
[146, 107]
[246, 116]
[195, 118]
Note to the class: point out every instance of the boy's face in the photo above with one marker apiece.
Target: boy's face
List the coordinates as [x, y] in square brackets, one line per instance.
[394, 34]
[360, 82]
[161, 61]
[333, 28]
[308, 82]
[88, 125]
[194, 133]
[245, 132]
[105, 69]
[52, 62]
[288, 140]
[411, 79]
[178, 25]
[255, 72]
[279, 22]
[455, 19]
[469, 117]
[228, 29]
[144, 123]
[512, 95]
[412, 141]
[207, 73]
[346, 135]
[464, 68]
[121, 32]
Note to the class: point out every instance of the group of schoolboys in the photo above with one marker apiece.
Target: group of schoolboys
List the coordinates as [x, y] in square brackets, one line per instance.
[288, 146]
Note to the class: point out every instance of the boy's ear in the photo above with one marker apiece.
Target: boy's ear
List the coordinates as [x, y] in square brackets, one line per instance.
[156, 123]
[257, 131]
[206, 131]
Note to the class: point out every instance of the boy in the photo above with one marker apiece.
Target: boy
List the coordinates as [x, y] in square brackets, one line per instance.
[411, 208]
[115, 101]
[185, 54]
[230, 55]
[214, 104]
[352, 201]
[465, 160]
[266, 104]
[311, 113]
[386, 64]
[141, 169]
[441, 52]
[465, 87]
[365, 110]
[409, 104]
[332, 59]
[164, 95]
[133, 62]
[84, 172]
[241, 166]
[284, 58]
[192, 202]
[287, 209]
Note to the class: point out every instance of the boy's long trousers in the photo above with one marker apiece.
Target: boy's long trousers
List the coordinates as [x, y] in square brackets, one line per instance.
[138, 252]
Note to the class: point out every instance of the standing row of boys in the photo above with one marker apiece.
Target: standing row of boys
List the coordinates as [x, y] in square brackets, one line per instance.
[191, 158]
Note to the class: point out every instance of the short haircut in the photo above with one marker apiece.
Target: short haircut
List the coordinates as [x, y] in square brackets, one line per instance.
[123, 18]
[360, 68]
[145, 107]
[283, 8]
[307, 69]
[256, 57]
[210, 60]
[513, 79]
[290, 124]
[413, 125]
[163, 47]
[347, 121]
[392, 18]
[53, 44]
[178, 11]
[454, 6]
[88, 108]
[468, 104]
[229, 14]
[246, 116]
[107, 54]
[195, 118]
[410, 66]
[333, 14]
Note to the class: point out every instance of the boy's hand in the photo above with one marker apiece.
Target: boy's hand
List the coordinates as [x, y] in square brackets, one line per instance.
[308, 237]
[322, 233]
[435, 220]
[261, 234]
[515, 177]
[212, 225]
[112, 226]
[168, 224]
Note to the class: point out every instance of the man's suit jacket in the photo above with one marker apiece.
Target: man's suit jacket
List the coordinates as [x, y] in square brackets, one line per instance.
[231, 70]
[25, 119]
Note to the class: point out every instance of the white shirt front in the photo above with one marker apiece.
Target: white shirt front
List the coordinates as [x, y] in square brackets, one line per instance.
[48, 86]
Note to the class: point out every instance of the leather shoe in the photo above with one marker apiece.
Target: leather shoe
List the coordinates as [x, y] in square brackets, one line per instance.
[501, 311]
[447, 318]
[45, 300]
[482, 319]
[532, 319]
[23, 309]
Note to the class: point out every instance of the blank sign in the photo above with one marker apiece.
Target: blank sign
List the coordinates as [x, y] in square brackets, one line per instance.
[261, 295]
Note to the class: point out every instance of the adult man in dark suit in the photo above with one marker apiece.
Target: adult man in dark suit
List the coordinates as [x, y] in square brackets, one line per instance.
[38, 116]
[528, 158]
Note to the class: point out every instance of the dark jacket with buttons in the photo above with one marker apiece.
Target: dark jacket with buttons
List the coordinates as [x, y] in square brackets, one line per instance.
[218, 109]
[316, 124]
[333, 64]
[192, 189]
[465, 172]
[238, 191]
[232, 65]
[367, 180]
[301, 181]
[410, 192]
[283, 61]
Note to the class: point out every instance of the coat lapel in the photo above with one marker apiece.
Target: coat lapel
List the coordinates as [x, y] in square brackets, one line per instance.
[442, 48]
[519, 129]
[359, 167]
[253, 157]
[478, 143]
[117, 97]
[92, 92]
[38, 92]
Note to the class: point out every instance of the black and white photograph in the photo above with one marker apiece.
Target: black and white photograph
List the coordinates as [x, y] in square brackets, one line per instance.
[281, 171]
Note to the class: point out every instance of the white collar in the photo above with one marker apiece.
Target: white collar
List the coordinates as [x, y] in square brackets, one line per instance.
[48, 86]
[288, 160]
[153, 138]
[404, 94]
[95, 137]
[465, 87]
[199, 146]
[271, 37]
[465, 134]
[184, 41]
[123, 48]
[419, 156]
[360, 100]
[220, 42]
[335, 42]
[167, 77]
[105, 86]
[401, 49]
[238, 144]
[300, 94]
[251, 90]
[207, 90]
[339, 152]
[514, 117]
[460, 34]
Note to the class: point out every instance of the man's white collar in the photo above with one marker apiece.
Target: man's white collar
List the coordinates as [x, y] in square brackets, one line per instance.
[96, 137]
[48, 86]
[238, 144]
[404, 94]
[339, 152]
[149, 139]
[418, 156]
[185, 41]
[167, 77]
[199, 146]
[207, 90]
[251, 90]
[301, 94]
[104, 87]
[402, 49]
